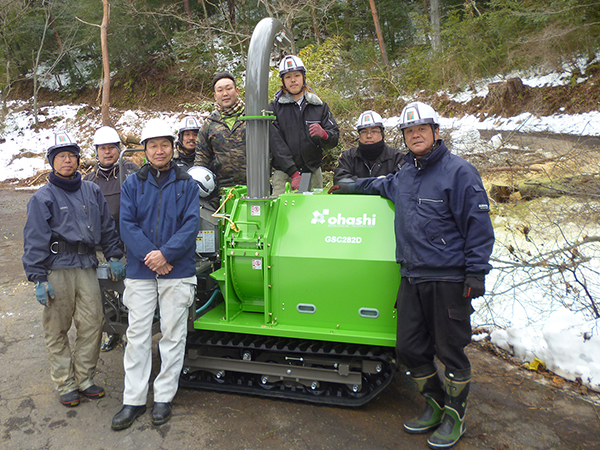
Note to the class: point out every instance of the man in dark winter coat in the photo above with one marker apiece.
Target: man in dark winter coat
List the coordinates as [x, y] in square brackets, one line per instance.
[222, 138]
[373, 157]
[106, 175]
[160, 219]
[106, 172]
[303, 129]
[66, 219]
[444, 239]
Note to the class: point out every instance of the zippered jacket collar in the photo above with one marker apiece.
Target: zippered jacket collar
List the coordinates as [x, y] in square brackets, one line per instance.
[430, 158]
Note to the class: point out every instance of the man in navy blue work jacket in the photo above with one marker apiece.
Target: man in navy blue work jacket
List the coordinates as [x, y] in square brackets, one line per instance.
[444, 239]
[66, 219]
[160, 219]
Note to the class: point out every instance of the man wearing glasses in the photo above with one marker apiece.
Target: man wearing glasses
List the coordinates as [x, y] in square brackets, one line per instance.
[373, 157]
[66, 219]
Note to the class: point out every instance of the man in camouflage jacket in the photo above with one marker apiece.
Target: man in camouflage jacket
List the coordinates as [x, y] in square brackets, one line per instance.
[222, 138]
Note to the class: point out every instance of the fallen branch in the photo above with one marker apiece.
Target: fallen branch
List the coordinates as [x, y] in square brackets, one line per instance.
[45, 172]
[513, 169]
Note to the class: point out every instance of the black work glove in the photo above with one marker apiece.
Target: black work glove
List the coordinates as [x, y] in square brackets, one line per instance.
[474, 287]
[344, 186]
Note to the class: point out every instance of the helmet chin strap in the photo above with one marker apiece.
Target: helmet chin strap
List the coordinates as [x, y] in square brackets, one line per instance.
[159, 169]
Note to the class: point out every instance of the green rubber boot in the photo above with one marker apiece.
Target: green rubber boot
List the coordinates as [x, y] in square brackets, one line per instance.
[453, 421]
[430, 387]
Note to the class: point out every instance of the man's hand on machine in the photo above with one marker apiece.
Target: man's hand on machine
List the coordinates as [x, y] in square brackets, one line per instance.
[344, 186]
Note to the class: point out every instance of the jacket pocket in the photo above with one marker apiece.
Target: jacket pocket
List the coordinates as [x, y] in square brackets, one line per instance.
[431, 213]
[434, 234]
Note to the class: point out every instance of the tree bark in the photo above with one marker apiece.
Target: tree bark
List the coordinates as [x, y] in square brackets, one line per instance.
[188, 13]
[315, 22]
[435, 14]
[384, 56]
[207, 19]
[56, 35]
[105, 64]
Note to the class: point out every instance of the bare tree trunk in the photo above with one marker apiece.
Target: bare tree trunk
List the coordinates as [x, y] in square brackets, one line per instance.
[56, 35]
[9, 82]
[36, 64]
[105, 64]
[188, 13]
[289, 23]
[384, 56]
[315, 21]
[208, 29]
[435, 14]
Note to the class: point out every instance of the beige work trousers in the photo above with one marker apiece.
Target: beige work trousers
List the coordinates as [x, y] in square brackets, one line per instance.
[280, 178]
[77, 299]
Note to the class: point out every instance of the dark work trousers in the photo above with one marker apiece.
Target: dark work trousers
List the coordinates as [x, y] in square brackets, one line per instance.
[433, 319]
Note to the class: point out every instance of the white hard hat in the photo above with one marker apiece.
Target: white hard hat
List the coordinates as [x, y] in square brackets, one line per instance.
[155, 128]
[369, 119]
[62, 143]
[205, 178]
[417, 113]
[188, 123]
[106, 135]
[291, 63]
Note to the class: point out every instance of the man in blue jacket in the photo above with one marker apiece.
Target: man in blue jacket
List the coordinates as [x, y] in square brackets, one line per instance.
[66, 219]
[303, 128]
[160, 219]
[444, 239]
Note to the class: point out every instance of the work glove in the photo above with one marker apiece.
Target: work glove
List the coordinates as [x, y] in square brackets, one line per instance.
[474, 287]
[43, 292]
[316, 130]
[116, 269]
[344, 186]
[296, 177]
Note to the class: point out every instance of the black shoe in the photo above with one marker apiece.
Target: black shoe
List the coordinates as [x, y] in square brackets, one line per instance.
[110, 342]
[125, 418]
[161, 413]
[71, 399]
[93, 392]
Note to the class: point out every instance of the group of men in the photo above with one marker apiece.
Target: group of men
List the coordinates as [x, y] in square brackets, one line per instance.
[156, 215]
[444, 239]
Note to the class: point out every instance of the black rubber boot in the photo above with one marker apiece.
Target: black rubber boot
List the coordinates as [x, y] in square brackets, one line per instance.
[453, 422]
[430, 387]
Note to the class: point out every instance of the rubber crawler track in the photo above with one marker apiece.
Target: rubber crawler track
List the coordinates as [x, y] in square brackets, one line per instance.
[271, 349]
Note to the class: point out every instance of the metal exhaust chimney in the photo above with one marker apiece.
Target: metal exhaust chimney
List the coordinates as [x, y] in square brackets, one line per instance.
[257, 93]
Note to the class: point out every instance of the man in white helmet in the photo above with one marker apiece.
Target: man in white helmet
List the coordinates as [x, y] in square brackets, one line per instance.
[160, 219]
[444, 239]
[66, 220]
[106, 172]
[303, 129]
[187, 136]
[373, 157]
[107, 143]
